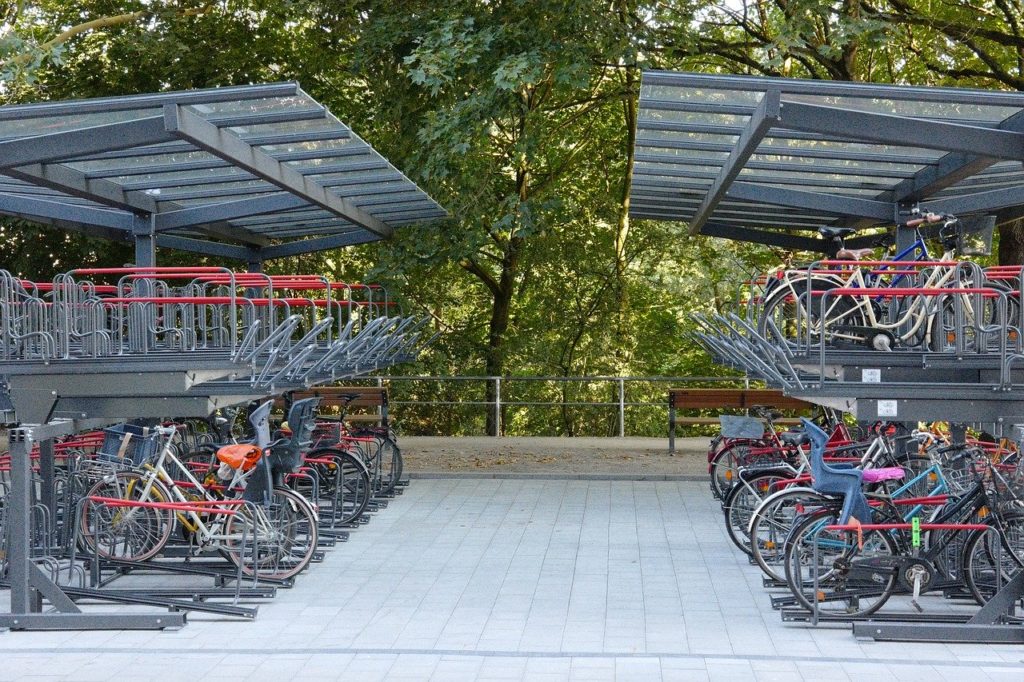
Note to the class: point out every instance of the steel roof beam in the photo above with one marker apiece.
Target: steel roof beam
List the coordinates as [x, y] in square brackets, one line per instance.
[901, 130]
[780, 166]
[979, 202]
[228, 210]
[830, 153]
[815, 201]
[35, 208]
[228, 146]
[207, 248]
[157, 183]
[175, 147]
[74, 182]
[298, 248]
[951, 169]
[764, 177]
[292, 138]
[350, 167]
[805, 86]
[759, 124]
[154, 101]
[781, 239]
[68, 144]
[172, 167]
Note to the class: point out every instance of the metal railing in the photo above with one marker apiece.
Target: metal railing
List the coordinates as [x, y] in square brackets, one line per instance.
[507, 394]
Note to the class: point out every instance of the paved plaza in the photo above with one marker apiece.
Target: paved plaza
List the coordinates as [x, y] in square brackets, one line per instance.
[483, 579]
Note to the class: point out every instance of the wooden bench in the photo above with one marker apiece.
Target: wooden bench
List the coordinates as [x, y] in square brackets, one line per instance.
[370, 397]
[723, 398]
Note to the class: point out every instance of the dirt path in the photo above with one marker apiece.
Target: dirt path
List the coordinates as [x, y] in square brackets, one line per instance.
[557, 456]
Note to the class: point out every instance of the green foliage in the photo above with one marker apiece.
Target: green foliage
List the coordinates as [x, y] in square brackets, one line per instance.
[515, 115]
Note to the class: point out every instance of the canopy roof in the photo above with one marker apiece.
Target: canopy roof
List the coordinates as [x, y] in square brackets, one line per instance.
[251, 172]
[770, 160]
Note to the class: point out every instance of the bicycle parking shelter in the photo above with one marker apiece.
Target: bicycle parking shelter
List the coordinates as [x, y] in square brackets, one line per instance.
[247, 173]
[770, 161]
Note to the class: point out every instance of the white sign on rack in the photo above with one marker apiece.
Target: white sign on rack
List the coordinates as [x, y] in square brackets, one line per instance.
[887, 408]
[871, 376]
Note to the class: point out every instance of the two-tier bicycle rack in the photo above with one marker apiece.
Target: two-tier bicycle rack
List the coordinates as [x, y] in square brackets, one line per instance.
[249, 174]
[770, 161]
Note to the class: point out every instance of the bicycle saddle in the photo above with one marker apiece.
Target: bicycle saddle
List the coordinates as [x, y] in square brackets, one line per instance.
[835, 232]
[766, 412]
[349, 397]
[793, 438]
[853, 254]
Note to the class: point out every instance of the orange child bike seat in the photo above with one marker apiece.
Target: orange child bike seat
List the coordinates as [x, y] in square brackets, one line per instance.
[241, 456]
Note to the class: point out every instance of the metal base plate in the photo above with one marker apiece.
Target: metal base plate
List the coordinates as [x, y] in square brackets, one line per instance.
[91, 621]
[940, 632]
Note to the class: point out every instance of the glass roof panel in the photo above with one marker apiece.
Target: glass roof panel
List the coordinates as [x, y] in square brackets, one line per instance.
[264, 105]
[292, 134]
[44, 125]
[691, 127]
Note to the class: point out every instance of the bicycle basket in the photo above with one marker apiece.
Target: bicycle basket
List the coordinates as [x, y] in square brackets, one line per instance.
[976, 239]
[125, 443]
[327, 433]
[741, 427]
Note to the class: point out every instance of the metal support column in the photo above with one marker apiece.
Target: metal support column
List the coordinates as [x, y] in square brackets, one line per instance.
[29, 585]
[905, 237]
[145, 241]
[46, 473]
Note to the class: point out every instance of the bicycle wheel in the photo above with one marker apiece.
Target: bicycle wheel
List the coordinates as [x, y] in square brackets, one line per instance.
[853, 579]
[771, 524]
[276, 541]
[126, 533]
[725, 466]
[391, 464]
[743, 499]
[981, 557]
[350, 491]
[786, 305]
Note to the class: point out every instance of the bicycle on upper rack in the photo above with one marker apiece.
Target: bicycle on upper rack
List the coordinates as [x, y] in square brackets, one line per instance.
[902, 306]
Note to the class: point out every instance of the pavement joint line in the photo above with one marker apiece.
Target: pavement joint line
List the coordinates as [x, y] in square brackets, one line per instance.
[326, 651]
[527, 476]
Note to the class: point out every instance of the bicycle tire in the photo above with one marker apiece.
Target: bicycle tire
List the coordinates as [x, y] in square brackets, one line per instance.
[979, 559]
[771, 523]
[281, 551]
[834, 593]
[774, 308]
[350, 490]
[126, 533]
[743, 499]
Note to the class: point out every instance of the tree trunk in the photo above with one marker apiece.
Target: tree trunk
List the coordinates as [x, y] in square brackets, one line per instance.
[1011, 243]
[501, 312]
[629, 104]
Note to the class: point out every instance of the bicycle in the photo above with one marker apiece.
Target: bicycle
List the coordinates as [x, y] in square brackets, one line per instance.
[876, 320]
[838, 559]
[130, 514]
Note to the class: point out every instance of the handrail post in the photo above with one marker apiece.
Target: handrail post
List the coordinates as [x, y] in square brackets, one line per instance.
[497, 407]
[622, 407]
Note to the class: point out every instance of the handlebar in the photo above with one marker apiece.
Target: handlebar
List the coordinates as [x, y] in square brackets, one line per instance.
[929, 218]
